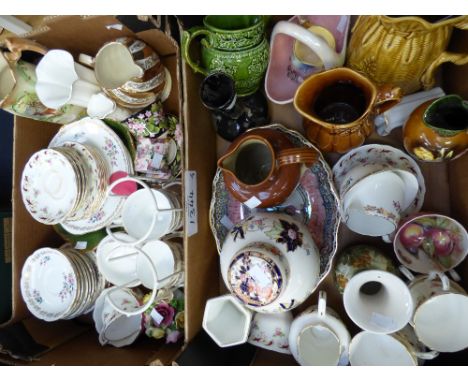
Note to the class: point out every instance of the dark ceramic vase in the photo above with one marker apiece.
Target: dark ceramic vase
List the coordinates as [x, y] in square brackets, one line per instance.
[232, 115]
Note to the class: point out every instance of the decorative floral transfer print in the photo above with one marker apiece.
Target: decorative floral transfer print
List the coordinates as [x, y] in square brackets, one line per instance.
[276, 339]
[380, 211]
[286, 233]
[68, 286]
[111, 151]
[37, 296]
[359, 258]
[255, 279]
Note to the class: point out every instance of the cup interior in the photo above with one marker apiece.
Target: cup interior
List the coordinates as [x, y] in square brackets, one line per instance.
[217, 91]
[232, 22]
[226, 322]
[115, 66]
[318, 345]
[378, 301]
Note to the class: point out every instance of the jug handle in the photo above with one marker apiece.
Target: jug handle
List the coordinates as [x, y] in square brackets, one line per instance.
[428, 78]
[16, 46]
[387, 97]
[297, 155]
[187, 39]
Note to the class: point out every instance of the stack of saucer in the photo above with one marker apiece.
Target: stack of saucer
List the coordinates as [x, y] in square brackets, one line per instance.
[60, 284]
[64, 183]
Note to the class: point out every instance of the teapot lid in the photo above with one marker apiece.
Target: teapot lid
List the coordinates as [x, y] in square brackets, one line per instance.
[255, 277]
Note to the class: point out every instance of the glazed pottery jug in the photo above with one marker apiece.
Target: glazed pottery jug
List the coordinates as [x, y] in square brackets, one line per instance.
[228, 50]
[18, 86]
[339, 107]
[438, 130]
[232, 115]
[231, 32]
[262, 167]
[403, 51]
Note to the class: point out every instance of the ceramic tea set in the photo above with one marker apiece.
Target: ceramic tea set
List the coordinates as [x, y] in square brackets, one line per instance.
[95, 177]
[276, 205]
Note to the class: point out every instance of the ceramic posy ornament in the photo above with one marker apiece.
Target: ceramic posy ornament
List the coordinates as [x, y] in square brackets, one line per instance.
[360, 258]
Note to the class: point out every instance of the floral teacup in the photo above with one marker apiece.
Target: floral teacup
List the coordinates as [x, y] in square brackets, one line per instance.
[271, 331]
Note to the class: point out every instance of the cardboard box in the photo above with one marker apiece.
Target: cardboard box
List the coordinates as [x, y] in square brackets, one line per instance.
[57, 343]
[24, 338]
[446, 185]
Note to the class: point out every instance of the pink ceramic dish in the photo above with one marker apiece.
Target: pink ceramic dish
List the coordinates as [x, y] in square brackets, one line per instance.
[283, 76]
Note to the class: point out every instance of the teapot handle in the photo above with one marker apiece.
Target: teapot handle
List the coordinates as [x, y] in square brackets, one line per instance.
[16, 46]
[297, 155]
[387, 97]
[428, 78]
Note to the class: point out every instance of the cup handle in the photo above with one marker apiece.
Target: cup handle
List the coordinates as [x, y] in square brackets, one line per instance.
[454, 275]
[406, 272]
[16, 46]
[153, 221]
[187, 39]
[427, 355]
[387, 97]
[144, 307]
[322, 304]
[297, 155]
[443, 278]
[86, 59]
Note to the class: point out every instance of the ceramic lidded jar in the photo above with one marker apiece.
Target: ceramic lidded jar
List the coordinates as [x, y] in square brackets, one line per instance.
[262, 167]
[360, 258]
[438, 130]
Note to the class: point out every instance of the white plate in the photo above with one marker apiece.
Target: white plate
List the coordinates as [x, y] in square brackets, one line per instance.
[48, 284]
[49, 186]
[95, 133]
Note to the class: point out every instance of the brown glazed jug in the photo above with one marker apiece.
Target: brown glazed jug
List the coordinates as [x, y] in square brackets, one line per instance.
[403, 51]
[339, 107]
[438, 129]
[262, 167]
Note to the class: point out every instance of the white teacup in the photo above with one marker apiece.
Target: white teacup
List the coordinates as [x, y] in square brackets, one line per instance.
[271, 331]
[373, 206]
[378, 301]
[147, 213]
[441, 311]
[318, 337]
[227, 321]
[397, 349]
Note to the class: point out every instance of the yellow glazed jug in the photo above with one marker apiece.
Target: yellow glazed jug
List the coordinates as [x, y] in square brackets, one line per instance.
[403, 51]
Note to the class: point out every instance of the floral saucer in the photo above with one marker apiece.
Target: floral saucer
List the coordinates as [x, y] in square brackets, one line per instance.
[314, 203]
[97, 134]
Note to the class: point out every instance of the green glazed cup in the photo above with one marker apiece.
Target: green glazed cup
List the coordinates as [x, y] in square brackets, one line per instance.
[247, 67]
[230, 33]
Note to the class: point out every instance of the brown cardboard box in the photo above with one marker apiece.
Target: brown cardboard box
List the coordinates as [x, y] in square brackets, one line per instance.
[57, 342]
[446, 186]
[75, 343]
